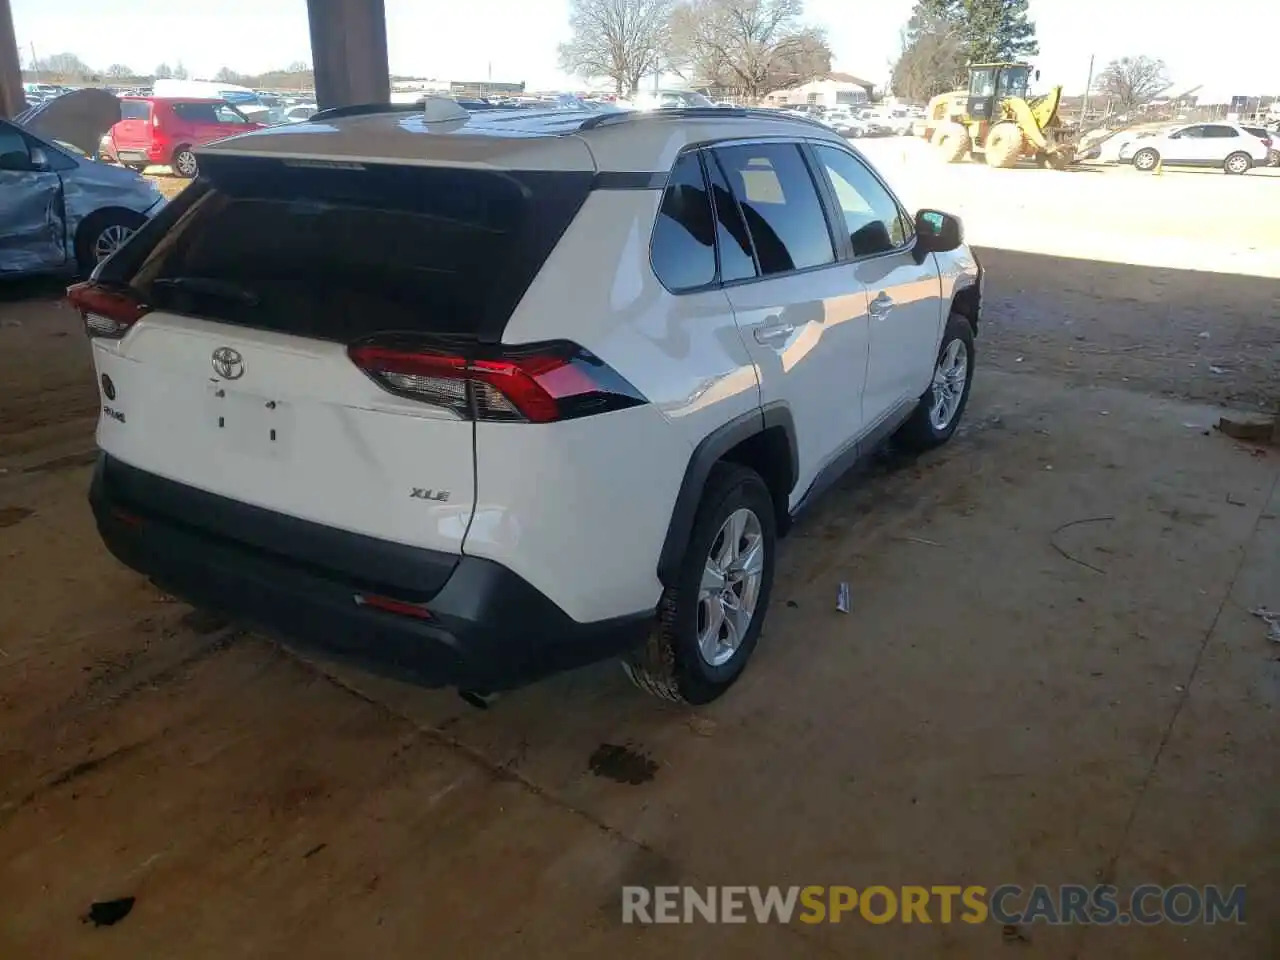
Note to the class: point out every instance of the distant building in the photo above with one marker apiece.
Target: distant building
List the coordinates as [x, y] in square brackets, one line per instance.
[833, 89]
[485, 88]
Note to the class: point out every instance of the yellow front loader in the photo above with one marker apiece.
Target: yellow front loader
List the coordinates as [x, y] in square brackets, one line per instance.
[997, 118]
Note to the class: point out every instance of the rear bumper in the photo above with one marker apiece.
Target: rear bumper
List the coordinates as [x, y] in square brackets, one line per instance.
[488, 628]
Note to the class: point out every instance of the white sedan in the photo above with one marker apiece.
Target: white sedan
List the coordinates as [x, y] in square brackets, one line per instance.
[1227, 146]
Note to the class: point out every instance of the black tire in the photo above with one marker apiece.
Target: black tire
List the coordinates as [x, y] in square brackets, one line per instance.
[670, 664]
[183, 164]
[1004, 145]
[1145, 160]
[919, 432]
[94, 226]
[952, 141]
[1241, 162]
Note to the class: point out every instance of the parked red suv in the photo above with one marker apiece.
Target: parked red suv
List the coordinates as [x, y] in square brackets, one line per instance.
[161, 131]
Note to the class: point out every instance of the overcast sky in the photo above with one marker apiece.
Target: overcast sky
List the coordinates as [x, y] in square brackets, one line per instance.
[1230, 46]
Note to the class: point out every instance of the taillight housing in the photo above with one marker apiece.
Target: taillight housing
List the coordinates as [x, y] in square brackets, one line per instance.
[530, 383]
[108, 312]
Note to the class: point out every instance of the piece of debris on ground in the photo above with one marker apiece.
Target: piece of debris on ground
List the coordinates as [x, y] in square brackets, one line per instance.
[1272, 619]
[107, 913]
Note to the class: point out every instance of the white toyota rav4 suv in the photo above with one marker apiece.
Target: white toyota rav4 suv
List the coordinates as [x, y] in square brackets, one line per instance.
[478, 397]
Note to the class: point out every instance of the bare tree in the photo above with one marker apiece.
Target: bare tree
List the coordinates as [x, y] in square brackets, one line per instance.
[1131, 82]
[163, 72]
[932, 58]
[751, 47]
[118, 71]
[63, 67]
[619, 39]
[180, 72]
[227, 75]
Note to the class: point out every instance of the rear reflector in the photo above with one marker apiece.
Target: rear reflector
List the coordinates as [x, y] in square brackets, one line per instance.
[128, 519]
[107, 312]
[536, 383]
[401, 607]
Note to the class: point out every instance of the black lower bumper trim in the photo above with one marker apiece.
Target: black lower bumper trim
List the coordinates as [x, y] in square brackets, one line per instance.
[489, 629]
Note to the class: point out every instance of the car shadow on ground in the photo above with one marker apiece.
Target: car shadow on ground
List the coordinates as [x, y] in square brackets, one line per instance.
[34, 288]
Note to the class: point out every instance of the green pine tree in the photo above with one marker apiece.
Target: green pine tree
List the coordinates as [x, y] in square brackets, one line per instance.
[997, 30]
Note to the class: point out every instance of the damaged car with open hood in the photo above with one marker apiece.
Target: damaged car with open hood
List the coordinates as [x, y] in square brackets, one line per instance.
[60, 210]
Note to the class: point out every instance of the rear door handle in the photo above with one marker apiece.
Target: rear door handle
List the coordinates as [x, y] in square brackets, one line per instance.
[769, 332]
[881, 306]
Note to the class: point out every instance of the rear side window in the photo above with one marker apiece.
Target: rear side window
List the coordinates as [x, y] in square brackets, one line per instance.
[780, 204]
[684, 252]
[346, 251]
[134, 110]
[196, 112]
[1219, 132]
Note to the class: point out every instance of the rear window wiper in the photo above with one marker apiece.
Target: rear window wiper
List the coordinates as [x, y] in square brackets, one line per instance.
[203, 286]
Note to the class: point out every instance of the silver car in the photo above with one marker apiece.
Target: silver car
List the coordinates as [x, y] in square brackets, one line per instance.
[59, 209]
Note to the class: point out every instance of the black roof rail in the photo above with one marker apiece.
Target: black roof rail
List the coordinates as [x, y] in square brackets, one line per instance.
[364, 109]
[695, 113]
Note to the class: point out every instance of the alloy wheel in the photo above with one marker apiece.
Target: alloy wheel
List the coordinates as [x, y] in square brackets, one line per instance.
[949, 379]
[110, 240]
[730, 587]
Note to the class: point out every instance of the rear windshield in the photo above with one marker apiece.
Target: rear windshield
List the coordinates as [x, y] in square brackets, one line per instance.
[134, 109]
[342, 251]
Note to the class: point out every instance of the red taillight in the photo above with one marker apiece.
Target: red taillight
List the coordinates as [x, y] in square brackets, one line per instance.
[541, 383]
[107, 312]
[388, 605]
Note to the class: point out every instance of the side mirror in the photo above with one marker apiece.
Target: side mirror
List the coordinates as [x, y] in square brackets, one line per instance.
[39, 160]
[937, 232]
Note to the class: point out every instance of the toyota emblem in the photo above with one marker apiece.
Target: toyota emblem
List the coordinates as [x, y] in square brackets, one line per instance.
[228, 364]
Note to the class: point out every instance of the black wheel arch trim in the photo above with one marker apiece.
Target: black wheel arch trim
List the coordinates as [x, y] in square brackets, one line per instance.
[705, 455]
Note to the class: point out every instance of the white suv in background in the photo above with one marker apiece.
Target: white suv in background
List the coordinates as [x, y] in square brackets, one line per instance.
[477, 397]
[1225, 145]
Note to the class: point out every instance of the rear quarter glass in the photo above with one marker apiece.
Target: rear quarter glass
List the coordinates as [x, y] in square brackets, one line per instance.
[346, 250]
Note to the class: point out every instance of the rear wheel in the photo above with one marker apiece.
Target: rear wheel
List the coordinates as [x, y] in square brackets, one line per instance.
[1004, 145]
[710, 620]
[184, 163]
[952, 141]
[1145, 160]
[1238, 163]
[938, 414]
[102, 234]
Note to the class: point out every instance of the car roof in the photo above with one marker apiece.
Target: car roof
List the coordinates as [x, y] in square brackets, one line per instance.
[517, 139]
[176, 99]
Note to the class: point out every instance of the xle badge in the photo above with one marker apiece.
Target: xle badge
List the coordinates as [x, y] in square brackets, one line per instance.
[423, 493]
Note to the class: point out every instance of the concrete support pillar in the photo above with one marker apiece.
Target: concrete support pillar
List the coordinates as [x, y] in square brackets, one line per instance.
[12, 99]
[348, 51]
